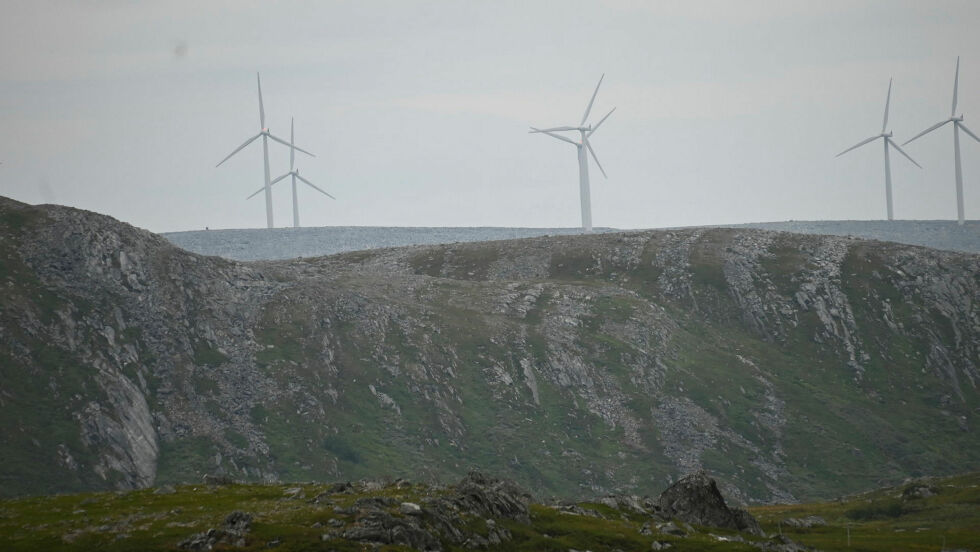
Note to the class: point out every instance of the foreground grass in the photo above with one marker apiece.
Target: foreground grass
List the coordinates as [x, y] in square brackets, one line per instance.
[885, 520]
[286, 517]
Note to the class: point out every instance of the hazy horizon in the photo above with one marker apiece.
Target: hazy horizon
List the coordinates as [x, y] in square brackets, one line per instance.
[418, 111]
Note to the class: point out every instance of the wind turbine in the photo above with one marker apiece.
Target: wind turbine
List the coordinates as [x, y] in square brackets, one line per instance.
[266, 135]
[957, 126]
[295, 174]
[583, 160]
[887, 138]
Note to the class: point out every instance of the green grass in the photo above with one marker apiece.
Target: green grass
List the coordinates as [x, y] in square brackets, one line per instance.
[882, 521]
[147, 521]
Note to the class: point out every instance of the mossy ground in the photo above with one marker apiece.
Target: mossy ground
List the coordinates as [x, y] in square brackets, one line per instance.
[147, 521]
[882, 520]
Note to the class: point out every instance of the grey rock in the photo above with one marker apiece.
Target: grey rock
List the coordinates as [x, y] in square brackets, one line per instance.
[490, 497]
[919, 490]
[671, 528]
[410, 509]
[805, 522]
[217, 480]
[696, 499]
[780, 543]
[232, 533]
[375, 503]
[382, 527]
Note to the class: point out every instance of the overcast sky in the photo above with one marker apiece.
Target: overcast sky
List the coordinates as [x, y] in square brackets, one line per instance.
[418, 111]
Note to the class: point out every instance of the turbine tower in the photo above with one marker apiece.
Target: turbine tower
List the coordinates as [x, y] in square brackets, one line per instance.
[887, 139]
[295, 174]
[583, 160]
[266, 135]
[957, 127]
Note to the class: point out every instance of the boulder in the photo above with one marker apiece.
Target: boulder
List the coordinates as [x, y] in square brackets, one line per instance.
[410, 509]
[696, 499]
[232, 533]
[918, 490]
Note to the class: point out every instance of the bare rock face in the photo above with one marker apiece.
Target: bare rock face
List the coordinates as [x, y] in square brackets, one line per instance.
[696, 499]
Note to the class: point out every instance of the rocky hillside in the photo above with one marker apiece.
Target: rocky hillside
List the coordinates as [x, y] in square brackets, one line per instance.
[791, 367]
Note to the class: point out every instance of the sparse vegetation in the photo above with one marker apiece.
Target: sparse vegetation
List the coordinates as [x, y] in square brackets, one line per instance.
[294, 517]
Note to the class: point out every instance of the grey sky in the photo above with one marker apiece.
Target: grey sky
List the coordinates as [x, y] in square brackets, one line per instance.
[418, 111]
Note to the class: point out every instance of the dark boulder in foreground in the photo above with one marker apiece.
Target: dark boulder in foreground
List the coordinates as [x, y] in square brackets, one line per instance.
[695, 499]
[232, 533]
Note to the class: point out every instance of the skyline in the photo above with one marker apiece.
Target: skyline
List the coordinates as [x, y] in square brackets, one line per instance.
[726, 113]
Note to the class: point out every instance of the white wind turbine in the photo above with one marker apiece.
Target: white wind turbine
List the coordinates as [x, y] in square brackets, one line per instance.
[295, 174]
[266, 135]
[887, 139]
[957, 126]
[583, 160]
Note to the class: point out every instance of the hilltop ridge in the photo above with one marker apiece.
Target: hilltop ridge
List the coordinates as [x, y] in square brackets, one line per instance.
[291, 243]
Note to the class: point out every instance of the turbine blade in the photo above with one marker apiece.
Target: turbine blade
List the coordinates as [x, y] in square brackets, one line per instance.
[312, 185]
[553, 135]
[966, 130]
[589, 108]
[859, 144]
[292, 140]
[596, 127]
[956, 85]
[239, 148]
[285, 143]
[592, 151]
[926, 131]
[555, 129]
[261, 108]
[257, 192]
[900, 150]
[888, 101]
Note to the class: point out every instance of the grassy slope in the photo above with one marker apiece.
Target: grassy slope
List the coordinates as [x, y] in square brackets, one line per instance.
[144, 520]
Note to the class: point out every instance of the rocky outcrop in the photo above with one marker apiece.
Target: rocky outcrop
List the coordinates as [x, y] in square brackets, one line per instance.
[233, 532]
[443, 517]
[696, 499]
